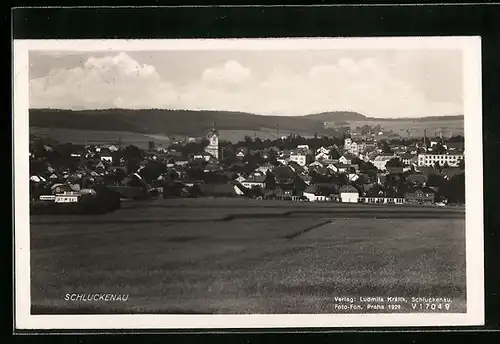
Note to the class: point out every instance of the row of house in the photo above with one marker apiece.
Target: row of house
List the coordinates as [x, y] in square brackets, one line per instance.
[339, 166]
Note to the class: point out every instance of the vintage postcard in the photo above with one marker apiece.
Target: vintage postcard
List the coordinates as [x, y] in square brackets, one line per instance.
[248, 183]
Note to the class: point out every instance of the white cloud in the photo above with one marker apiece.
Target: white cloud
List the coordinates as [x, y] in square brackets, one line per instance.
[107, 82]
[367, 86]
[230, 73]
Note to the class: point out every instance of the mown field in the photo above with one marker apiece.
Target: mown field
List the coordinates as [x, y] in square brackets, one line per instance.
[191, 256]
[78, 136]
[141, 140]
[400, 127]
[235, 136]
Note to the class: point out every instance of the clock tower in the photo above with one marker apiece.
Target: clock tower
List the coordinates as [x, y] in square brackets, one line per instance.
[213, 142]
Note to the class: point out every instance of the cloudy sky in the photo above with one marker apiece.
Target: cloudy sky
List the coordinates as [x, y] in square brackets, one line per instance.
[383, 83]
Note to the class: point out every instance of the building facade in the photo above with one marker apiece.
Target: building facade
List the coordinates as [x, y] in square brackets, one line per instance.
[424, 195]
[357, 147]
[428, 159]
[349, 194]
[382, 200]
[300, 158]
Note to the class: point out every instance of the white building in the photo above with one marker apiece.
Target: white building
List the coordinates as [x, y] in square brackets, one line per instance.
[312, 193]
[67, 197]
[323, 150]
[283, 160]
[322, 156]
[257, 181]
[299, 157]
[347, 143]
[349, 194]
[429, 159]
[357, 148]
[107, 158]
[381, 160]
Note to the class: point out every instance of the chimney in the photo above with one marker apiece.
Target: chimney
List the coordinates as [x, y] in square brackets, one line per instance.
[277, 131]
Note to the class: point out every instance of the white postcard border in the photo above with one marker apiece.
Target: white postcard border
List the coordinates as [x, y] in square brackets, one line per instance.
[471, 47]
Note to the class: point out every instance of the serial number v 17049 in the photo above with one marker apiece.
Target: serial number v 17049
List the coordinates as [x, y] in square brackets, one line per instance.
[427, 306]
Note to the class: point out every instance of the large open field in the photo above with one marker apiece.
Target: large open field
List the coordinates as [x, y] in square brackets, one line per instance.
[235, 136]
[456, 127]
[241, 256]
[78, 136]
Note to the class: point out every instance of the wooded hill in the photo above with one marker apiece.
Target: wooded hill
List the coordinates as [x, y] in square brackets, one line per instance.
[168, 122]
[191, 122]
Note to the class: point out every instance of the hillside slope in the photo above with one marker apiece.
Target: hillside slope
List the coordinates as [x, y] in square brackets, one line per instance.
[168, 122]
[336, 116]
[350, 116]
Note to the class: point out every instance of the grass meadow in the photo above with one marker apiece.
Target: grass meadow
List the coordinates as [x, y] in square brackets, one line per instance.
[77, 136]
[191, 256]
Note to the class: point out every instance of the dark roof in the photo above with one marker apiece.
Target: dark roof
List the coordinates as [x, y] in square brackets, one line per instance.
[417, 178]
[328, 188]
[255, 179]
[312, 189]
[451, 171]
[213, 167]
[423, 190]
[283, 171]
[394, 169]
[348, 188]
[407, 156]
[348, 156]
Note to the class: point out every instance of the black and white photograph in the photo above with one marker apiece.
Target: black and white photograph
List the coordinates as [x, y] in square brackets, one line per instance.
[270, 182]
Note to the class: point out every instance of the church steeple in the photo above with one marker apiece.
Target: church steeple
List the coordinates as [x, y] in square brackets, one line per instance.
[214, 129]
[213, 145]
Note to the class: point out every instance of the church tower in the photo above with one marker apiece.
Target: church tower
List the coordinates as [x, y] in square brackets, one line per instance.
[213, 144]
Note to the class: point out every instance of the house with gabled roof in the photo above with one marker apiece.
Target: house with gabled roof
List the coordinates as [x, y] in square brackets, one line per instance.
[315, 164]
[323, 150]
[349, 194]
[254, 181]
[316, 193]
[420, 195]
[346, 158]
